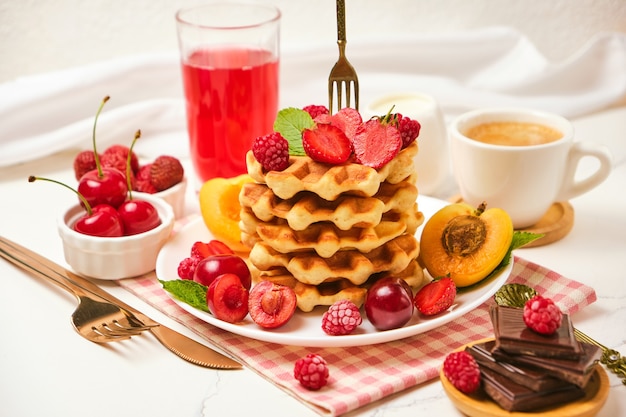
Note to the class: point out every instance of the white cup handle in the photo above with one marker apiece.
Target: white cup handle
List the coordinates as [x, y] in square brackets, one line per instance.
[572, 188]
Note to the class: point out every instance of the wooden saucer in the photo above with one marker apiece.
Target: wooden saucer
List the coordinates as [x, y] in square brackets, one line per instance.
[555, 224]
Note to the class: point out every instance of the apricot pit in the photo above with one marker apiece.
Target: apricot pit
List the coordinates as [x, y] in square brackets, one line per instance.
[465, 243]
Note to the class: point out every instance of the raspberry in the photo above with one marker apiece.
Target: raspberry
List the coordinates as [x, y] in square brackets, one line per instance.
[341, 318]
[311, 371]
[315, 110]
[542, 315]
[462, 371]
[84, 162]
[165, 172]
[272, 151]
[115, 156]
[187, 266]
[409, 130]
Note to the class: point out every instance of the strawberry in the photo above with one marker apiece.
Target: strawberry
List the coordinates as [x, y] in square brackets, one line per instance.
[214, 247]
[165, 172]
[435, 297]
[376, 142]
[348, 120]
[326, 143]
[84, 162]
[115, 156]
[142, 181]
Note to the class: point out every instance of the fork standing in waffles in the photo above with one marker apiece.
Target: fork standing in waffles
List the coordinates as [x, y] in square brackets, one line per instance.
[332, 207]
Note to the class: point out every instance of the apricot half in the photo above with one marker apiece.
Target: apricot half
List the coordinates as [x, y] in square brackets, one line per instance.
[465, 243]
[220, 208]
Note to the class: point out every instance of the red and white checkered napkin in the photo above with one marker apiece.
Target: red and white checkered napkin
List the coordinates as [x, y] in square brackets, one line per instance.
[362, 375]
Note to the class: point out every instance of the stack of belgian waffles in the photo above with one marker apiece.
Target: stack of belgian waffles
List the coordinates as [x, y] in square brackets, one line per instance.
[330, 231]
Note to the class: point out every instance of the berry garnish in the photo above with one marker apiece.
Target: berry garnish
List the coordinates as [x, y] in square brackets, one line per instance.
[187, 266]
[311, 371]
[272, 151]
[101, 220]
[348, 120]
[326, 143]
[542, 315]
[84, 162]
[341, 318]
[271, 305]
[142, 180]
[409, 129]
[435, 297]
[165, 172]
[213, 247]
[376, 142]
[462, 371]
[315, 110]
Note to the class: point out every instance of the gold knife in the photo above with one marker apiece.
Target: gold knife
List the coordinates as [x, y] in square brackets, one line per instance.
[181, 345]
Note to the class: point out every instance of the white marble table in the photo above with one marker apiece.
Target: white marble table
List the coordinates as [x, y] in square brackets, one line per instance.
[46, 369]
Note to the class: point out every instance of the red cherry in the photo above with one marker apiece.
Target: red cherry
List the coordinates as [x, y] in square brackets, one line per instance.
[227, 299]
[138, 216]
[103, 221]
[213, 266]
[271, 305]
[104, 186]
[389, 303]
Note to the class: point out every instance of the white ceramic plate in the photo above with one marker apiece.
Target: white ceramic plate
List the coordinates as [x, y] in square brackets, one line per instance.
[304, 329]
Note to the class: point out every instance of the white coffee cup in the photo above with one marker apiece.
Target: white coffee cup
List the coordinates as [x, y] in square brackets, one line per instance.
[525, 180]
[432, 162]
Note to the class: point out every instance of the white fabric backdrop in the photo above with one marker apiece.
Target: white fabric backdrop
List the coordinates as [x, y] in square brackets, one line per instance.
[47, 113]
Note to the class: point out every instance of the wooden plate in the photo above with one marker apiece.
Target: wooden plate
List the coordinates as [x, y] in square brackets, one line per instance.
[480, 405]
[555, 224]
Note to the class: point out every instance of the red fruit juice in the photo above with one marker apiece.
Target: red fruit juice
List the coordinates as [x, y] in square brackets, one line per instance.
[232, 97]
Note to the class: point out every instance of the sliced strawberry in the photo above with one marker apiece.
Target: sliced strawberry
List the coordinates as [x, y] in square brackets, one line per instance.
[326, 143]
[435, 297]
[376, 143]
[202, 250]
[348, 120]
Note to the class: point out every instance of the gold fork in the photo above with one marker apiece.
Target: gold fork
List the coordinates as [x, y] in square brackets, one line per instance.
[95, 319]
[343, 73]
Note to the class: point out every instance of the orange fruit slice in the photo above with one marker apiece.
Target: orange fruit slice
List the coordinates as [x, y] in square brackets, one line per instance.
[219, 205]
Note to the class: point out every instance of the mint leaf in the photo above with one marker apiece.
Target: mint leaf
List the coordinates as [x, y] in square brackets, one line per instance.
[290, 123]
[519, 239]
[187, 291]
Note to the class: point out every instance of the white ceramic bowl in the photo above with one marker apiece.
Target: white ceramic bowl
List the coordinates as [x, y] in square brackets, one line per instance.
[114, 257]
[174, 196]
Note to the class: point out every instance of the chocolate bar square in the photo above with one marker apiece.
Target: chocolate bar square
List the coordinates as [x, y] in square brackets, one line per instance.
[513, 336]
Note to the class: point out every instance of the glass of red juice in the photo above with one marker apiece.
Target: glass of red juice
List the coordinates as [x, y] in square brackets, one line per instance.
[229, 58]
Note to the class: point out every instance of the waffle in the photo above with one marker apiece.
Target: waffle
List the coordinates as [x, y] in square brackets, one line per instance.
[329, 182]
[345, 212]
[310, 296]
[357, 267]
[324, 238]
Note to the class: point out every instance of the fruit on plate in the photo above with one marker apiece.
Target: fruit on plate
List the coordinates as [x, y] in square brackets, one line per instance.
[211, 267]
[271, 305]
[389, 303]
[343, 317]
[465, 243]
[542, 315]
[219, 205]
[227, 298]
[461, 369]
[101, 220]
[435, 297]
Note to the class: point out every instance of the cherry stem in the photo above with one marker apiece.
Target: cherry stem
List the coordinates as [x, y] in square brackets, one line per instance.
[32, 178]
[93, 137]
[128, 159]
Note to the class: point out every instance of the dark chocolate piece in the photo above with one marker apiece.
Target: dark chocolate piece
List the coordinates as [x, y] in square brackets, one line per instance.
[514, 397]
[513, 336]
[529, 377]
[576, 371]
